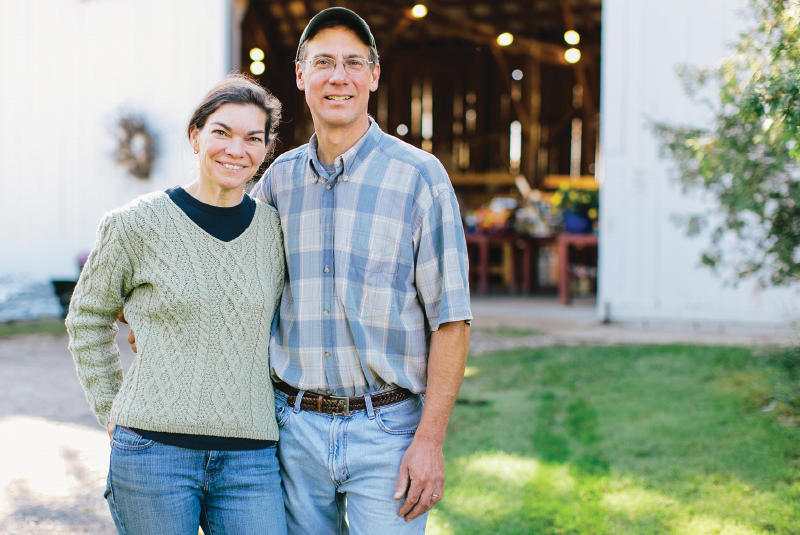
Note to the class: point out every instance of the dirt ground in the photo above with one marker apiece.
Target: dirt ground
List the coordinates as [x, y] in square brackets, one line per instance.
[54, 454]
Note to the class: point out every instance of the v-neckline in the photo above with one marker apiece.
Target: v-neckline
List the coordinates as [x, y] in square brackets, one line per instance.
[202, 230]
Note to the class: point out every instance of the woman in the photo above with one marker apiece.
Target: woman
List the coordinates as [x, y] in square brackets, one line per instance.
[200, 271]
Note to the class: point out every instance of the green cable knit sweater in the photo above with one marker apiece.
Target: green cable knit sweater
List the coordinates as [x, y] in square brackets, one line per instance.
[201, 310]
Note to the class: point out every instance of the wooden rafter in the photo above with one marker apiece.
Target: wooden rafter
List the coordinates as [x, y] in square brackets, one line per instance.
[580, 70]
[505, 74]
[588, 15]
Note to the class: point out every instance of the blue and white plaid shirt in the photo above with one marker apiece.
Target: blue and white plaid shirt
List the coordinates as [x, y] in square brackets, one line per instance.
[376, 259]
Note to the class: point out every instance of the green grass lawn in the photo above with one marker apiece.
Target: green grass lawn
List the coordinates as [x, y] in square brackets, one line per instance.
[51, 326]
[619, 440]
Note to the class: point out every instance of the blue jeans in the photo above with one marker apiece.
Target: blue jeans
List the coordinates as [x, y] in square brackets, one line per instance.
[332, 464]
[155, 488]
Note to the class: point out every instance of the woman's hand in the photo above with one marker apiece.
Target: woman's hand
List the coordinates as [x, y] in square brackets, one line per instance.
[131, 336]
[110, 428]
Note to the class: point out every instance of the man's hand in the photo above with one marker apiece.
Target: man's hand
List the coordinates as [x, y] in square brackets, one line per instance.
[110, 428]
[421, 477]
[131, 336]
[423, 468]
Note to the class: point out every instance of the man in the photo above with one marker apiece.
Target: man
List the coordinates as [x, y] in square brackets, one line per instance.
[375, 310]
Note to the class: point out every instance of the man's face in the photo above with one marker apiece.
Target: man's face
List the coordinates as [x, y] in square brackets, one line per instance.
[337, 99]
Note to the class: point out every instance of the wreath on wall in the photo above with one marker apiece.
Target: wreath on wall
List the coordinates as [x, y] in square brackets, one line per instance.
[136, 150]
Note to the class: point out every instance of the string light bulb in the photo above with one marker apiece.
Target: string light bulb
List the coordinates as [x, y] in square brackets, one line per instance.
[257, 68]
[572, 37]
[505, 39]
[256, 54]
[572, 55]
[419, 11]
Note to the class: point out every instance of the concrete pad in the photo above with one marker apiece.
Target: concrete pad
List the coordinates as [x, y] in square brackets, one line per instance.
[578, 323]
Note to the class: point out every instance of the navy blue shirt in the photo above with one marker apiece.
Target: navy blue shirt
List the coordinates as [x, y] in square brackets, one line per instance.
[225, 224]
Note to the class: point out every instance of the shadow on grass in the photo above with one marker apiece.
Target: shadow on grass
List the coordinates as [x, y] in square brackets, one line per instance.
[619, 440]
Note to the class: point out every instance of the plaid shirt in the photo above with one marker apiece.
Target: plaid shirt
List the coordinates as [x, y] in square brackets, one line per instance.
[375, 258]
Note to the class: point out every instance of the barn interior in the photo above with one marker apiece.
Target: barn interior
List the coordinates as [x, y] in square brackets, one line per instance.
[505, 94]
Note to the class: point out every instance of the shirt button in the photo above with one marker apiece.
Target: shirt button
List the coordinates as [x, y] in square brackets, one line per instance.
[325, 312]
[326, 270]
[327, 354]
[328, 187]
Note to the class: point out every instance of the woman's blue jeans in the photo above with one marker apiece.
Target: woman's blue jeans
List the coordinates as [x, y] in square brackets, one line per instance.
[154, 488]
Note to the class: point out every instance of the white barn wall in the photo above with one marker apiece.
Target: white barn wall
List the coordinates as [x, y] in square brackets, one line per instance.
[67, 68]
[649, 270]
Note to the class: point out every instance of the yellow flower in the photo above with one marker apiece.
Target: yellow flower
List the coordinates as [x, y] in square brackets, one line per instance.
[556, 199]
[592, 213]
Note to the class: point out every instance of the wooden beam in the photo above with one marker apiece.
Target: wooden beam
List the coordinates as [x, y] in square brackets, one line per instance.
[534, 76]
[288, 17]
[254, 26]
[270, 51]
[483, 179]
[505, 74]
[401, 26]
[580, 70]
[482, 34]
[588, 15]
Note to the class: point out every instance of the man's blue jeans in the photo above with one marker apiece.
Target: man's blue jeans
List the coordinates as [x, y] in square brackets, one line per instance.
[154, 488]
[332, 463]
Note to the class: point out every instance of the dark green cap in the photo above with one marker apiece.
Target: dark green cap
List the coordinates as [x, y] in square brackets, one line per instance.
[347, 18]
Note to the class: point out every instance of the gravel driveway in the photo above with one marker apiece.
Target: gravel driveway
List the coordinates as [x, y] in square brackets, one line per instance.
[53, 453]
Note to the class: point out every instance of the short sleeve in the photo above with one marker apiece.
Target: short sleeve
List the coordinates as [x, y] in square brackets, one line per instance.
[442, 266]
[263, 190]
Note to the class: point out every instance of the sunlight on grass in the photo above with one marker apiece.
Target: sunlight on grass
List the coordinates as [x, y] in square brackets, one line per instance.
[471, 371]
[714, 526]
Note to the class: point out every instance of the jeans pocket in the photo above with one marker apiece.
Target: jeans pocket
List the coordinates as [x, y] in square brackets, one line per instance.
[127, 440]
[108, 486]
[401, 418]
[282, 413]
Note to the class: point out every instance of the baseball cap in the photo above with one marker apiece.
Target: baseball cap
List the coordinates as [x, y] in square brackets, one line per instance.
[347, 17]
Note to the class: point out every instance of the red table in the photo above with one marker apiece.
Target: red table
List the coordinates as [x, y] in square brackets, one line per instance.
[565, 241]
[521, 244]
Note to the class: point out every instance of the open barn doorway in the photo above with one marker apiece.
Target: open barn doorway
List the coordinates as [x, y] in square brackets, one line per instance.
[504, 93]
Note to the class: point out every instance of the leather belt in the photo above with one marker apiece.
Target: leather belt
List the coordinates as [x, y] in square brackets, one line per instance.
[340, 405]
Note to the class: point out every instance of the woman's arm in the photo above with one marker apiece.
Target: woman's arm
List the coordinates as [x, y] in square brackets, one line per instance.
[98, 298]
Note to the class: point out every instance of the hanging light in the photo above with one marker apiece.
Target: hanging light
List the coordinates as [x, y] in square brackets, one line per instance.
[572, 55]
[419, 11]
[256, 54]
[257, 68]
[505, 39]
[572, 37]
[516, 75]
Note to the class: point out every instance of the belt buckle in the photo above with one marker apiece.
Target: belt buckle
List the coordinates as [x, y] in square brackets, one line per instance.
[346, 400]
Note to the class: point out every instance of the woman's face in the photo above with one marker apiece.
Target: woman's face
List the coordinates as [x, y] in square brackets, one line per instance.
[231, 145]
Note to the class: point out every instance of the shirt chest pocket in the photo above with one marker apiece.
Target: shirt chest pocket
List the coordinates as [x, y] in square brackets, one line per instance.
[365, 281]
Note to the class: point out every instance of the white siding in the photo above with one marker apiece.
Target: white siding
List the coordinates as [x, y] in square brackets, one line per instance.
[67, 69]
[649, 270]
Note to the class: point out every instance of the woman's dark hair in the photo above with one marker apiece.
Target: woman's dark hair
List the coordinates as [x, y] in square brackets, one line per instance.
[237, 88]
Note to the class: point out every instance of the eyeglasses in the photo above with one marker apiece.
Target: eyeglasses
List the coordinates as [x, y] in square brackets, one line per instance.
[351, 65]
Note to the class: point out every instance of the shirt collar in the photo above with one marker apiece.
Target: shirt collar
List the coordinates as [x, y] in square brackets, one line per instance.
[351, 159]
